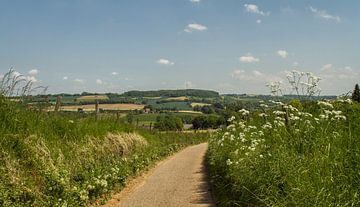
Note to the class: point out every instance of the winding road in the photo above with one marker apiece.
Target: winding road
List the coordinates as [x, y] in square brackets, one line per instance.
[181, 180]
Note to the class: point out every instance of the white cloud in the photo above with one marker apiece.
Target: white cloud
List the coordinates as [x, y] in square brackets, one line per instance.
[99, 82]
[258, 21]
[166, 62]
[81, 81]
[195, 27]
[33, 72]
[252, 8]
[257, 73]
[114, 73]
[327, 67]
[188, 84]
[248, 59]
[195, 1]
[254, 76]
[347, 72]
[282, 53]
[324, 15]
[336, 80]
[65, 78]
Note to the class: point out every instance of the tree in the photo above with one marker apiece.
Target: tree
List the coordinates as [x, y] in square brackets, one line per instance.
[356, 94]
[168, 123]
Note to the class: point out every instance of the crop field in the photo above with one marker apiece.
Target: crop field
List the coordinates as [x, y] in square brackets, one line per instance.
[176, 105]
[91, 107]
[93, 97]
[289, 155]
[180, 98]
[199, 104]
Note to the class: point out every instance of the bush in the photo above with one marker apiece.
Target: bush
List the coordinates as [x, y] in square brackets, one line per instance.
[168, 123]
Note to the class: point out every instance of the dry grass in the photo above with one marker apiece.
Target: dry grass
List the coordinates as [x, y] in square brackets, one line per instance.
[152, 98]
[115, 144]
[180, 98]
[93, 97]
[91, 107]
[199, 104]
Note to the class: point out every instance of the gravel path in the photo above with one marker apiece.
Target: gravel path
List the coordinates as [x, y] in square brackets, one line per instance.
[178, 181]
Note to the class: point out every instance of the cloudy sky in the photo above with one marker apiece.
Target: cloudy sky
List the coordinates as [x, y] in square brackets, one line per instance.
[232, 46]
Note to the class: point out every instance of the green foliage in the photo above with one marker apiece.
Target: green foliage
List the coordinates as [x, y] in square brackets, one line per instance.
[174, 93]
[208, 122]
[356, 94]
[284, 156]
[69, 159]
[168, 123]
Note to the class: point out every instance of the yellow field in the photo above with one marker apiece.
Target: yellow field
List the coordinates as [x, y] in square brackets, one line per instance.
[91, 107]
[93, 97]
[180, 98]
[152, 98]
[199, 104]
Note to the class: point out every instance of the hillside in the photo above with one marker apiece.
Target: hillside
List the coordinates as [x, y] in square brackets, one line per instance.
[174, 93]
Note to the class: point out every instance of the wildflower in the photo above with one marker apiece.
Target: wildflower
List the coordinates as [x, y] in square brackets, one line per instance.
[325, 104]
[229, 162]
[294, 118]
[264, 106]
[322, 116]
[261, 156]
[339, 117]
[267, 126]
[231, 119]
[263, 115]
[252, 127]
[71, 121]
[261, 133]
[279, 113]
[242, 125]
[244, 112]
[279, 123]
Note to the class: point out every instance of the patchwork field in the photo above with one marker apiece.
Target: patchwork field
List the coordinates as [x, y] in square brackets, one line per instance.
[180, 98]
[199, 104]
[91, 107]
[93, 97]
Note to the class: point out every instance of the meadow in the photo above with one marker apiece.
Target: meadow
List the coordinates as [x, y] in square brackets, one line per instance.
[294, 154]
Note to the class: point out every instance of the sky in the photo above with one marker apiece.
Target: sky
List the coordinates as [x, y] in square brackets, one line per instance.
[231, 46]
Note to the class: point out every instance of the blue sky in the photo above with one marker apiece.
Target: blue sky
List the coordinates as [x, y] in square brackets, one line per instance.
[232, 46]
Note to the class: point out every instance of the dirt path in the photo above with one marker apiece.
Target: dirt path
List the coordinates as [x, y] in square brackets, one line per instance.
[178, 181]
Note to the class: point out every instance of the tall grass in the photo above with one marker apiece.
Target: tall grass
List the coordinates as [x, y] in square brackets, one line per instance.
[60, 159]
[287, 156]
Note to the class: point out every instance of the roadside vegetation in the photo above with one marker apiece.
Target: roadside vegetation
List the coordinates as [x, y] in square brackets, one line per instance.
[71, 159]
[299, 153]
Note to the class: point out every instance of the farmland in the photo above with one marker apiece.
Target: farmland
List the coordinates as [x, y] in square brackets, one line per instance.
[108, 107]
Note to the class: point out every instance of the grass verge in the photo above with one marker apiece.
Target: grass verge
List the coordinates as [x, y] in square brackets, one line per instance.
[56, 159]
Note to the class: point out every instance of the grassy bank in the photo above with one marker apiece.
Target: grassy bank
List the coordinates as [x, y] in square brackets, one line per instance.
[53, 159]
[287, 156]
